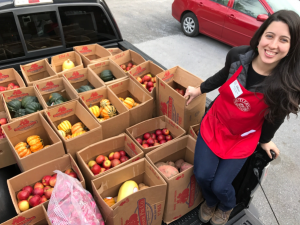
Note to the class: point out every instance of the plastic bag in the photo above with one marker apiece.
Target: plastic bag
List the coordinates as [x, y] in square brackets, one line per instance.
[71, 204]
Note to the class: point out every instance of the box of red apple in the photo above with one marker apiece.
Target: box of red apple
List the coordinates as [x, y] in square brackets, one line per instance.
[34, 187]
[10, 79]
[154, 132]
[105, 156]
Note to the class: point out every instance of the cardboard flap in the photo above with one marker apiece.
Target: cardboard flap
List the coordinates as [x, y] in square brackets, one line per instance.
[77, 75]
[128, 56]
[35, 67]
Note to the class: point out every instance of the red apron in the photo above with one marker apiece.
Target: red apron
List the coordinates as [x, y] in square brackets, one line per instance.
[232, 126]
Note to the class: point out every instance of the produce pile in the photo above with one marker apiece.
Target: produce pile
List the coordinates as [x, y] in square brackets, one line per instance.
[127, 67]
[33, 144]
[2, 122]
[103, 163]
[55, 99]
[160, 136]
[10, 86]
[28, 105]
[85, 88]
[148, 81]
[41, 191]
[129, 102]
[68, 131]
[171, 169]
[107, 75]
[105, 111]
[180, 91]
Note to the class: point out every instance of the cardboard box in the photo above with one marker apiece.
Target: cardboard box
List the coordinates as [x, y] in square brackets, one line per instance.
[92, 53]
[10, 76]
[60, 86]
[80, 77]
[114, 51]
[183, 193]
[112, 126]
[105, 147]
[117, 72]
[36, 174]
[171, 103]
[19, 94]
[138, 130]
[37, 71]
[33, 124]
[194, 131]
[129, 88]
[126, 57]
[34, 216]
[75, 112]
[142, 207]
[58, 60]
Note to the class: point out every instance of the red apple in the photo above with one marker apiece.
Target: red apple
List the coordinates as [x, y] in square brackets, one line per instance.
[123, 158]
[158, 132]
[160, 137]
[54, 175]
[23, 205]
[52, 181]
[181, 92]
[145, 146]
[91, 163]
[146, 136]
[153, 79]
[176, 89]
[111, 156]
[107, 164]
[35, 200]
[128, 68]
[115, 162]
[150, 141]
[165, 131]
[144, 142]
[130, 64]
[169, 137]
[105, 158]
[73, 174]
[29, 197]
[117, 155]
[102, 170]
[2, 88]
[10, 86]
[146, 78]
[38, 191]
[68, 171]
[46, 188]
[150, 89]
[23, 195]
[139, 80]
[96, 169]
[43, 199]
[123, 67]
[162, 142]
[16, 87]
[139, 140]
[3, 121]
[100, 159]
[122, 152]
[155, 141]
[46, 180]
[153, 136]
[149, 84]
[38, 185]
[29, 189]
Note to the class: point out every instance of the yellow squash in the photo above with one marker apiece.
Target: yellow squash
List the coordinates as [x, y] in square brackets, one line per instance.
[128, 188]
[68, 64]
[77, 127]
[96, 110]
[35, 143]
[128, 102]
[65, 126]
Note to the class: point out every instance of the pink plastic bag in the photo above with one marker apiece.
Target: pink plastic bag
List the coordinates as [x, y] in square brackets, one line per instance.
[71, 204]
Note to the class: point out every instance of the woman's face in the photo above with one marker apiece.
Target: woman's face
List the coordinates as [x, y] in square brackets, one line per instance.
[274, 43]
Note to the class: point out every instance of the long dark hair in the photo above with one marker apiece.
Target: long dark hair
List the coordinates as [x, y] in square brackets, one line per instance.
[281, 88]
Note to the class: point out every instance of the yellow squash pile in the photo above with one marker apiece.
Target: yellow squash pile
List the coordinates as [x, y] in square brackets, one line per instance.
[33, 144]
[105, 111]
[129, 102]
[68, 131]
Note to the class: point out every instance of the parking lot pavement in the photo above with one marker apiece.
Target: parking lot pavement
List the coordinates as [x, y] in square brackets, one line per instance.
[149, 25]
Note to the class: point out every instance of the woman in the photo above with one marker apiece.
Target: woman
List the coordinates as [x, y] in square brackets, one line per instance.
[260, 86]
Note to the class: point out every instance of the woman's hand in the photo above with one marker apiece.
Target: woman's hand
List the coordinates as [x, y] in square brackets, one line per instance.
[191, 93]
[270, 146]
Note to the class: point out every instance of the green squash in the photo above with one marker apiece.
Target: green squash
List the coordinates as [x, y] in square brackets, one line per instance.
[14, 105]
[27, 100]
[48, 103]
[19, 113]
[106, 75]
[85, 88]
[33, 107]
[55, 96]
[59, 101]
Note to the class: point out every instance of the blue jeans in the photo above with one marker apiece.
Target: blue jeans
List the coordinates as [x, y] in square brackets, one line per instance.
[215, 175]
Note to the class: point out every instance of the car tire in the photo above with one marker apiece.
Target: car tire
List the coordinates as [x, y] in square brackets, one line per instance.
[190, 25]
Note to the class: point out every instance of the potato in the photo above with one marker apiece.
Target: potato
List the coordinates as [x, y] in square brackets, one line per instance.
[178, 163]
[184, 166]
[158, 164]
[171, 163]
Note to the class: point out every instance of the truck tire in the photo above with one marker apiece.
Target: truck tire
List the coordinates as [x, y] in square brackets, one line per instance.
[190, 25]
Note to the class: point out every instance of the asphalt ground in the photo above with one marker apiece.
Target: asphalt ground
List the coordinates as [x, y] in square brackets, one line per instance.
[149, 25]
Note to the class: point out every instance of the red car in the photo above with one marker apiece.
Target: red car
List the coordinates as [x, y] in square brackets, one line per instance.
[231, 21]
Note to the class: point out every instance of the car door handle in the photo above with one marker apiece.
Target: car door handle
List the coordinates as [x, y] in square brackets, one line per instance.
[200, 3]
[231, 16]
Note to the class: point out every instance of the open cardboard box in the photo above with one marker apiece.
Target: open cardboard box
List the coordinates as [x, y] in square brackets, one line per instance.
[6, 156]
[58, 61]
[183, 193]
[10, 76]
[92, 53]
[117, 72]
[30, 177]
[114, 125]
[34, 216]
[114, 51]
[85, 76]
[19, 94]
[60, 86]
[142, 207]
[126, 57]
[194, 130]
[171, 103]
[128, 88]
[37, 71]
[75, 112]
[105, 147]
[33, 124]
[151, 125]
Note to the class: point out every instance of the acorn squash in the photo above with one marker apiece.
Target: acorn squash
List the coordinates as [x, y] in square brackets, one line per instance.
[19, 113]
[54, 97]
[104, 102]
[27, 100]
[108, 112]
[128, 102]
[85, 88]
[33, 107]
[22, 149]
[96, 111]
[106, 75]
[65, 126]
[14, 105]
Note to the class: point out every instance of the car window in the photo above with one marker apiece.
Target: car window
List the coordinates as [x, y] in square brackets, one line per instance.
[10, 44]
[223, 2]
[39, 30]
[85, 25]
[277, 5]
[250, 7]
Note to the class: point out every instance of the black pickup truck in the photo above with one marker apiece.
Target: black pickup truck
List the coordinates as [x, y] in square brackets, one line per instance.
[34, 29]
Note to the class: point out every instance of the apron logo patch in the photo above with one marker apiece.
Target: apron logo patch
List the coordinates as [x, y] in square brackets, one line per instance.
[242, 104]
